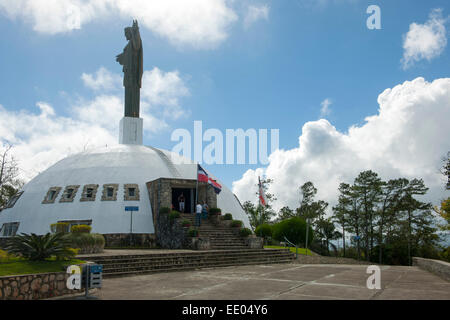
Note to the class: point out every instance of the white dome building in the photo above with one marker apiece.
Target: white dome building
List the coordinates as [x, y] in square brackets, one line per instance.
[94, 187]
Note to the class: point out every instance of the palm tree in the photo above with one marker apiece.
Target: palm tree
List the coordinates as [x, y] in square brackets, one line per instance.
[39, 247]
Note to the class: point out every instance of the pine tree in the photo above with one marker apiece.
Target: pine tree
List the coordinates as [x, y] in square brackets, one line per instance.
[368, 189]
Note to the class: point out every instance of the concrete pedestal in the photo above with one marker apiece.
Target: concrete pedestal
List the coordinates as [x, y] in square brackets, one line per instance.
[131, 130]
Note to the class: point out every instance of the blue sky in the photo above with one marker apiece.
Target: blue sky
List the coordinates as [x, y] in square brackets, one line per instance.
[271, 72]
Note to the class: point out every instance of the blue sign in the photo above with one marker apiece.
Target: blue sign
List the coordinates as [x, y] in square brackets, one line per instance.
[131, 208]
[96, 268]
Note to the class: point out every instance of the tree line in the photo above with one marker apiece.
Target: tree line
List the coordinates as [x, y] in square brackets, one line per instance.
[386, 221]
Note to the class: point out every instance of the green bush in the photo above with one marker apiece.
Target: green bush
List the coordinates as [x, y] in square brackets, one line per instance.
[236, 223]
[4, 256]
[264, 230]
[245, 232]
[81, 228]
[193, 232]
[186, 223]
[59, 227]
[164, 210]
[174, 215]
[86, 242]
[228, 216]
[215, 211]
[39, 247]
[294, 229]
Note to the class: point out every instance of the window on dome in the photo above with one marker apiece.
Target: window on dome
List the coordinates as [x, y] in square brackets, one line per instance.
[110, 192]
[9, 229]
[89, 192]
[51, 195]
[69, 193]
[131, 192]
[13, 199]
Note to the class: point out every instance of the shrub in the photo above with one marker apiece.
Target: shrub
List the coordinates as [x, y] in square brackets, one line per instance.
[87, 242]
[193, 232]
[186, 223]
[81, 228]
[215, 211]
[4, 256]
[37, 247]
[294, 229]
[164, 210]
[236, 223]
[245, 232]
[264, 230]
[174, 215]
[59, 227]
[228, 216]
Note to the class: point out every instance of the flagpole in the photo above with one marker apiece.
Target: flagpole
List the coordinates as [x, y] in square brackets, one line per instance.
[196, 193]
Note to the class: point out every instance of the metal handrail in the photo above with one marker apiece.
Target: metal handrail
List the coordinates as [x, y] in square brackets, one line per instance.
[294, 245]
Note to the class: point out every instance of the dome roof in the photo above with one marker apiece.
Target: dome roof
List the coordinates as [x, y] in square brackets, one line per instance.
[121, 164]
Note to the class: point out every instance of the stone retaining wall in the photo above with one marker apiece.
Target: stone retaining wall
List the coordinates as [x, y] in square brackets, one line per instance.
[144, 240]
[34, 286]
[303, 259]
[438, 267]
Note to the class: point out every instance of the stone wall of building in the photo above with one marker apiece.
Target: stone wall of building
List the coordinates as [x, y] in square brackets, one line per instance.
[438, 267]
[34, 286]
[3, 241]
[169, 233]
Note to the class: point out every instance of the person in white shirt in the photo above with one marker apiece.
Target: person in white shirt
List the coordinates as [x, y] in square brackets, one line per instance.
[198, 214]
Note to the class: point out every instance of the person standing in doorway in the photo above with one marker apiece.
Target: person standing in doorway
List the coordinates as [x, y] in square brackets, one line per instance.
[181, 202]
[198, 214]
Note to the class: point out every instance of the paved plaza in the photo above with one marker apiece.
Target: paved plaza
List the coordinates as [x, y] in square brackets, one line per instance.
[274, 282]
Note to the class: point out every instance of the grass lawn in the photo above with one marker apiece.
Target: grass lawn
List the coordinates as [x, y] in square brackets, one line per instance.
[300, 250]
[17, 266]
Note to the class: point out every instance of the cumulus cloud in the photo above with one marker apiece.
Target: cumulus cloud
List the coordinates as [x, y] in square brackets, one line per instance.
[198, 23]
[325, 107]
[43, 137]
[255, 13]
[407, 138]
[425, 41]
[164, 89]
[103, 80]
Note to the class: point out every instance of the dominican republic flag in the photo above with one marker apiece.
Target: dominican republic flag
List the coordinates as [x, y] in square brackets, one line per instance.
[262, 197]
[215, 184]
[202, 176]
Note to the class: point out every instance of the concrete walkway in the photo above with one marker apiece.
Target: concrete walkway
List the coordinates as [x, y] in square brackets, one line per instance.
[285, 282]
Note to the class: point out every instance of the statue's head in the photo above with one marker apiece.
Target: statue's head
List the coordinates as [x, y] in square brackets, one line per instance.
[128, 33]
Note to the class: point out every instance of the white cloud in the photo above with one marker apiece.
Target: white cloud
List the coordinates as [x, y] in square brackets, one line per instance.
[198, 23]
[407, 138]
[255, 13]
[164, 89]
[42, 138]
[103, 80]
[325, 107]
[424, 41]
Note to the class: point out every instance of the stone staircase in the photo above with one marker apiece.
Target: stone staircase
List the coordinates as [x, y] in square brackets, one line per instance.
[220, 237]
[128, 265]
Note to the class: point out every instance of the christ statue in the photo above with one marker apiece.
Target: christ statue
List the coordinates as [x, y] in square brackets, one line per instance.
[131, 60]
